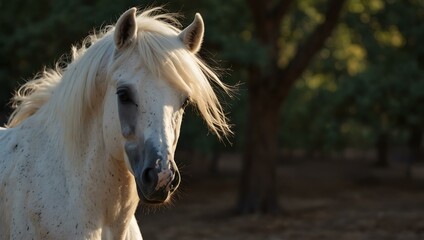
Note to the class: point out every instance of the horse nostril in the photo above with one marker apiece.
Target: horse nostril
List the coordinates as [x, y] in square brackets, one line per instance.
[175, 182]
[149, 176]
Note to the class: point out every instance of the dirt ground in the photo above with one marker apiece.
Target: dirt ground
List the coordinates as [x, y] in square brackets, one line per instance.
[331, 199]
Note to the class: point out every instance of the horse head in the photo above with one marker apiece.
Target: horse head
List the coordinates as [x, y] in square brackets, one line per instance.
[147, 103]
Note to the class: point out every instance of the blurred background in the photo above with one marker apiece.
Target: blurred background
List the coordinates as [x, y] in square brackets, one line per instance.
[328, 116]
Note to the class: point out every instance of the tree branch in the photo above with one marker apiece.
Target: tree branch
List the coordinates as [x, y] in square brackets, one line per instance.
[307, 50]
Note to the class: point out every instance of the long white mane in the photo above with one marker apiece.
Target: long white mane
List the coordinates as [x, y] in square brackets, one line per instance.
[70, 95]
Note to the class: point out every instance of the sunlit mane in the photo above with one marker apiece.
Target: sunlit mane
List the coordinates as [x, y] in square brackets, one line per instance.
[70, 95]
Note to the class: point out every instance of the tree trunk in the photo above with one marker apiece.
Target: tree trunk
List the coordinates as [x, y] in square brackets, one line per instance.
[214, 164]
[414, 144]
[268, 89]
[382, 148]
[258, 181]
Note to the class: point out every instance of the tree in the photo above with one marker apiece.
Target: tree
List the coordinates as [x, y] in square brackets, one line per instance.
[268, 87]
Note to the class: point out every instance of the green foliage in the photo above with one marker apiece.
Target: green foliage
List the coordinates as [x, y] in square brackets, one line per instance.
[368, 80]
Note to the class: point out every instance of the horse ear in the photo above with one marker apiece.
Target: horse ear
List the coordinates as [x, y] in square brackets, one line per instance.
[126, 28]
[192, 36]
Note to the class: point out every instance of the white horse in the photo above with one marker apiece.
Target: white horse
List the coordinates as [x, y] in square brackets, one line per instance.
[87, 142]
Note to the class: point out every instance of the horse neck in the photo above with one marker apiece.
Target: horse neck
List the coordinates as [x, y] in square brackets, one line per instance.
[106, 179]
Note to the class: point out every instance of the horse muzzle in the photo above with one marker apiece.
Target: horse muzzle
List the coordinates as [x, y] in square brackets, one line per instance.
[156, 177]
[155, 185]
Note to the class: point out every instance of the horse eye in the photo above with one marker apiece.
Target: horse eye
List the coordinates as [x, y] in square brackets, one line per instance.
[123, 96]
[186, 102]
